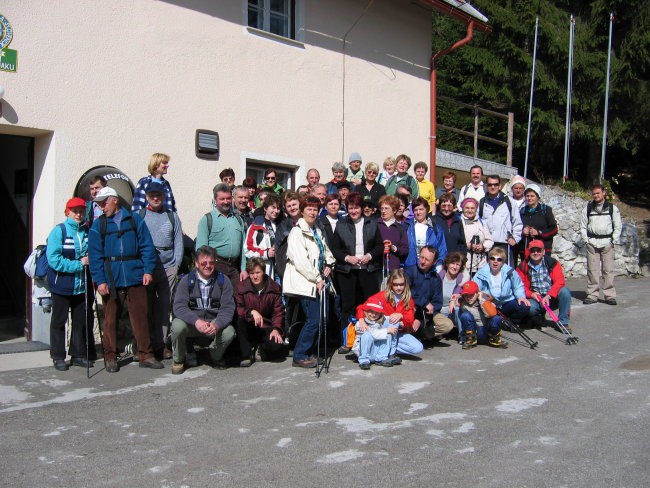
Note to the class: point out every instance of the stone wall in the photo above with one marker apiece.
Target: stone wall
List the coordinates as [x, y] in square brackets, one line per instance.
[569, 247]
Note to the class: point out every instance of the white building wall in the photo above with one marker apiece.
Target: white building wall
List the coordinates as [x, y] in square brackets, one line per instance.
[115, 81]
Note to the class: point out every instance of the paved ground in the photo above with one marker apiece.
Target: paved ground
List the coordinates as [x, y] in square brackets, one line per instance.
[556, 416]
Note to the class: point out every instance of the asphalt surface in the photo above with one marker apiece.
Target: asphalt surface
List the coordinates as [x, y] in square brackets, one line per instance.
[559, 415]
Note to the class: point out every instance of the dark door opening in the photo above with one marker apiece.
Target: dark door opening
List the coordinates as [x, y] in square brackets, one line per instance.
[16, 192]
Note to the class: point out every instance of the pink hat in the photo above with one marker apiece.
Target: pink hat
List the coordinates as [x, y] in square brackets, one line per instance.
[468, 200]
[517, 180]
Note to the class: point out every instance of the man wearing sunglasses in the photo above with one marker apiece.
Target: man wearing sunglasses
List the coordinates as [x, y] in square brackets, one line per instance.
[543, 280]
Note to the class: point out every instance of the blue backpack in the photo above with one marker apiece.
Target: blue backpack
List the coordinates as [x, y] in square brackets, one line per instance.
[41, 260]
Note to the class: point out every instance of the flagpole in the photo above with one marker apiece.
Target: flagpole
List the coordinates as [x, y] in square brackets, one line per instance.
[530, 104]
[567, 126]
[609, 61]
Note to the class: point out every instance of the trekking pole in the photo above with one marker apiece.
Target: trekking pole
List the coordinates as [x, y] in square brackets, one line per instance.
[570, 338]
[475, 240]
[321, 321]
[509, 250]
[515, 328]
[385, 265]
[99, 322]
[85, 268]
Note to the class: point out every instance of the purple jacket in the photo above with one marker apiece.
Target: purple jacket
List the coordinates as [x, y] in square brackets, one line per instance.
[396, 234]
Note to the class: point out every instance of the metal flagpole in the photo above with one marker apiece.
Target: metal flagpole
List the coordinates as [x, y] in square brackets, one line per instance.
[567, 126]
[530, 105]
[609, 61]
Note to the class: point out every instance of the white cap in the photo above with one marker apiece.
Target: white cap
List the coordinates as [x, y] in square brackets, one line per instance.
[535, 188]
[104, 193]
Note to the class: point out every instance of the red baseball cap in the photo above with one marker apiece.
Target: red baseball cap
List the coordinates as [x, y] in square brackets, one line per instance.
[75, 202]
[536, 243]
[469, 288]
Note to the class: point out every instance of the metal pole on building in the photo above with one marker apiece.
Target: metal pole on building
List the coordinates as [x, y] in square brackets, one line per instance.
[569, 87]
[609, 61]
[530, 104]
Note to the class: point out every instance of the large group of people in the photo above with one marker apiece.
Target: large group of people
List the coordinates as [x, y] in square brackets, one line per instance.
[381, 257]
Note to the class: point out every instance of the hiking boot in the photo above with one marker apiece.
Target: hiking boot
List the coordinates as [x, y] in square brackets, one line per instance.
[220, 365]
[167, 354]
[178, 368]
[309, 362]
[245, 363]
[60, 365]
[364, 366]
[589, 301]
[386, 363]
[610, 301]
[191, 360]
[82, 362]
[497, 341]
[470, 340]
[152, 363]
[395, 360]
[111, 365]
[344, 350]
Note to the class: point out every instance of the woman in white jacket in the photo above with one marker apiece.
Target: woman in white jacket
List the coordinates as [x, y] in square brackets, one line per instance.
[478, 236]
[309, 264]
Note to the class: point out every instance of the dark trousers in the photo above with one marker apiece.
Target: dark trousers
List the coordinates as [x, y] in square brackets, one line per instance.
[81, 315]
[135, 298]
[159, 303]
[229, 270]
[248, 335]
[355, 288]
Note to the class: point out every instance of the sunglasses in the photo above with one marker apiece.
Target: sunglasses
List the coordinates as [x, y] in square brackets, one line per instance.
[493, 184]
[496, 258]
[536, 249]
[206, 264]
[270, 178]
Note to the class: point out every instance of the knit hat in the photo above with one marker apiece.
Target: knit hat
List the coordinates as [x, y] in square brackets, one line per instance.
[75, 202]
[469, 288]
[374, 304]
[535, 188]
[468, 200]
[517, 180]
[104, 193]
[355, 156]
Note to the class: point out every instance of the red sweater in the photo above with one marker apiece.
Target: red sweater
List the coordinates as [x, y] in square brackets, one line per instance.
[408, 316]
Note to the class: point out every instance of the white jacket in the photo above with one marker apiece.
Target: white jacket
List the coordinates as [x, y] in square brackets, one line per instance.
[478, 228]
[501, 221]
[601, 224]
[301, 274]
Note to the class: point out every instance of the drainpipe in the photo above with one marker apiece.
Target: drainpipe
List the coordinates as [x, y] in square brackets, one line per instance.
[434, 96]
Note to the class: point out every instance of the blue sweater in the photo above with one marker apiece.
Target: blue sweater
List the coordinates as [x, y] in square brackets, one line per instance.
[130, 244]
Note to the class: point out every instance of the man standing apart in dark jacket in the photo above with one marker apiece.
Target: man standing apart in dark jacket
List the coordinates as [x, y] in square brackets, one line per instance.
[122, 260]
[203, 307]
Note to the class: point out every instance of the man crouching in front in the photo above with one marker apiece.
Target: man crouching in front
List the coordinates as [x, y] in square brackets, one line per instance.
[203, 307]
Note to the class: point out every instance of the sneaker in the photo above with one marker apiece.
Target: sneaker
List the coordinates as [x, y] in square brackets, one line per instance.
[60, 365]
[152, 363]
[82, 362]
[111, 365]
[364, 366]
[610, 301]
[589, 301]
[304, 363]
[395, 360]
[344, 350]
[245, 363]
[178, 368]
[386, 363]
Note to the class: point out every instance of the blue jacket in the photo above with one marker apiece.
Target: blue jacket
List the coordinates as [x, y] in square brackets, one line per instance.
[425, 287]
[511, 285]
[66, 273]
[129, 244]
[435, 238]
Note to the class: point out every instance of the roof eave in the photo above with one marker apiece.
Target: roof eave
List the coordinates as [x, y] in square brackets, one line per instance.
[446, 8]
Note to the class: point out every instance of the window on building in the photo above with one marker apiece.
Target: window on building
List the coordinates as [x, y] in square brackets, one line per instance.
[285, 175]
[274, 16]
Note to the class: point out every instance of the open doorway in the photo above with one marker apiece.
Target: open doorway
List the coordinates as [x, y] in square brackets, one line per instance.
[16, 192]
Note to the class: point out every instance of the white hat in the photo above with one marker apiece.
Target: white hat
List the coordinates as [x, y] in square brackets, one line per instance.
[517, 180]
[535, 188]
[104, 193]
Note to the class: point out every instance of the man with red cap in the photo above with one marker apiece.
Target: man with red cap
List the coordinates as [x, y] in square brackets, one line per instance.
[543, 280]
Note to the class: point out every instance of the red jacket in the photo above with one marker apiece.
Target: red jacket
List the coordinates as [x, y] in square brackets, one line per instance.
[268, 303]
[408, 316]
[555, 272]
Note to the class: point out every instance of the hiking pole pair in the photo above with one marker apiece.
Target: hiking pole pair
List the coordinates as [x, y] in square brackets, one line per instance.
[518, 330]
[322, 326]
[570, 338]
[474, 242]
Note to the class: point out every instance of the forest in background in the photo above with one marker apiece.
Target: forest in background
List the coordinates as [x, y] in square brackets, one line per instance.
[493, 71]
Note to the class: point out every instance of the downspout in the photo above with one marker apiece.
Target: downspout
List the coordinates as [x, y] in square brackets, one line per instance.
[433, 142]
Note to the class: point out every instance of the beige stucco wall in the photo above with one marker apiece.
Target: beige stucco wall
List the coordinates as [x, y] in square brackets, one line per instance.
[114, 81]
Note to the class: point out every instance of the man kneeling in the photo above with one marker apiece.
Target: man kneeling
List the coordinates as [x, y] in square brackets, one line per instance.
[203, 307]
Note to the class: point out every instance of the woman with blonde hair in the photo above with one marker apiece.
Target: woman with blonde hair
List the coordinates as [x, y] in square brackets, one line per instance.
[399, 308]
[370, 188]
[158, 166]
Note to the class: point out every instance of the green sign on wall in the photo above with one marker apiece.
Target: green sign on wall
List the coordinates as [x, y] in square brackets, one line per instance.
[8, 60]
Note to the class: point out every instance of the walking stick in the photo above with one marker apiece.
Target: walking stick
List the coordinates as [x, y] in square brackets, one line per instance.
[570, 338]
[322, 325]
[86, 320]
[515, 328]
[475, 240]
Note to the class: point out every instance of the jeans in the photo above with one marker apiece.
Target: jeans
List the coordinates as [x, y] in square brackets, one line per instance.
[492, 326]
[309, 333]
[514, 311]
[563, 301]
[373, 350]
[406, 344]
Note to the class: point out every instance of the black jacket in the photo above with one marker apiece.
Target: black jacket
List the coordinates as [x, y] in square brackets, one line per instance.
[344, 242]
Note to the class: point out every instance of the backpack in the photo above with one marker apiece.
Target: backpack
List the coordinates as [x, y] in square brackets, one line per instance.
[506, 198]
[36, 265]
[208, 218]
[610, 210]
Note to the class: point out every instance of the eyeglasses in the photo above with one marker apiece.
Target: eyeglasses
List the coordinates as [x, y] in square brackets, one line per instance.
[370, 172]
[207, 264]
[496, 258]
[536, 249]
